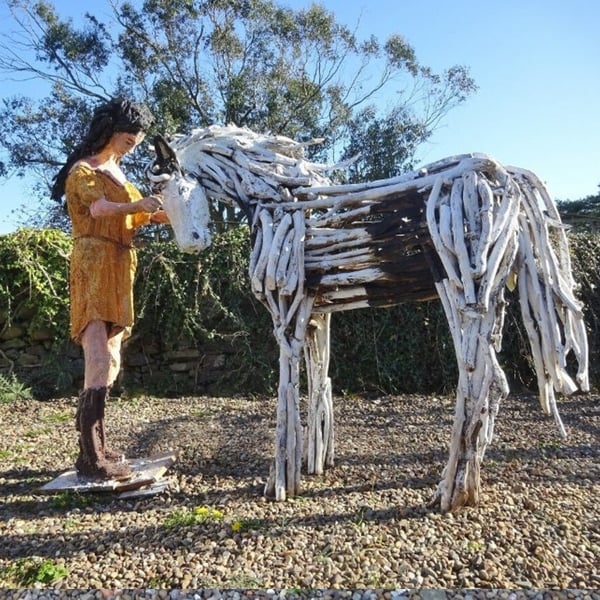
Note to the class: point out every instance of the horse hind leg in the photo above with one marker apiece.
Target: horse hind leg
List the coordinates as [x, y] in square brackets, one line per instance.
[481, 388]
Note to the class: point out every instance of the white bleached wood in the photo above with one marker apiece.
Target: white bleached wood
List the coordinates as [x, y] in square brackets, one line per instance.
[459, 244]
[257, 275]
[281, 273]
[296, 269]
[432, 223]
[350, 258]
[320, 240]
[276, 250]
[445, 219]
[320, 423]
[486, 215]
[470, 209]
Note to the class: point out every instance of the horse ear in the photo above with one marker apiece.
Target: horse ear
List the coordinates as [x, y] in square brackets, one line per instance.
[166, 159]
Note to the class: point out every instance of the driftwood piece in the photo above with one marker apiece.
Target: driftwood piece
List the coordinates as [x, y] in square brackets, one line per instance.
[320, 422]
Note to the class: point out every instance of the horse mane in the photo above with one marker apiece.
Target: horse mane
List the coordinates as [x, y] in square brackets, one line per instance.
[237, 166]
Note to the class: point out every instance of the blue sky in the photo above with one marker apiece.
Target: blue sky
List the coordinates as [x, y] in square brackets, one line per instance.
[536, 62]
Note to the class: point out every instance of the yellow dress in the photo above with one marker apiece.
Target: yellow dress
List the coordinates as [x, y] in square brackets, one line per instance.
[103, 260]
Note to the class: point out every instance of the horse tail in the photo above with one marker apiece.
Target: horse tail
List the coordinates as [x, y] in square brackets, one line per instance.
[552, 315]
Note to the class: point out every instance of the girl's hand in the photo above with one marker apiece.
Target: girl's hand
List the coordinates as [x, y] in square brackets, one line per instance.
[149, 204]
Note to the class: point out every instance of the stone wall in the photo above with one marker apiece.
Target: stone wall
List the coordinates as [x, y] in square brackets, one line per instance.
[147, 367]
[186, 368]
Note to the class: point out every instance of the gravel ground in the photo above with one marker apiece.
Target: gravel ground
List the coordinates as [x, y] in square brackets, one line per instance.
[360, 529]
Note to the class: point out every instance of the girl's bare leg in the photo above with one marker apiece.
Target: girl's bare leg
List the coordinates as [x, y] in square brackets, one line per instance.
[96, 355]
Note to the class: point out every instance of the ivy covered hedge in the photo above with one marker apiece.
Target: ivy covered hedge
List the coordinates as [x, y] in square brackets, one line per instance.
[205, 300]
[34, 279]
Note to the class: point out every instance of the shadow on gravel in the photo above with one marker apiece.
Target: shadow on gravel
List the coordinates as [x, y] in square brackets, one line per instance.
[67, 544]
[24, 481]
[218, 457]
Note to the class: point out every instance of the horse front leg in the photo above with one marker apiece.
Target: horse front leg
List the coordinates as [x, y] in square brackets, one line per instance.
[285, 475]
[277, 277]
[320, 429]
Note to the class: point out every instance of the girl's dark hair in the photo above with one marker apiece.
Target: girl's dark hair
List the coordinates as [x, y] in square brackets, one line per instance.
[109, 118]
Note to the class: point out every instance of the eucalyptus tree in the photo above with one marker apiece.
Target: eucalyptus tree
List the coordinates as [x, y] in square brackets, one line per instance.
[254, 63]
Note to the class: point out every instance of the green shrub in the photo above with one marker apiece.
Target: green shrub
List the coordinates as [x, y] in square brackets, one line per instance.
[12, 390]
[34, 289]
[27, 572]
[407, 348]
[206, 299]
[35, 279]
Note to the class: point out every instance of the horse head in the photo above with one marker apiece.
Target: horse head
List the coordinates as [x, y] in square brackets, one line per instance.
[184, 199]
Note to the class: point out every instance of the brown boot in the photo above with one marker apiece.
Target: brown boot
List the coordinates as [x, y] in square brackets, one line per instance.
[91, 461]
[110, 454]
[78, 411]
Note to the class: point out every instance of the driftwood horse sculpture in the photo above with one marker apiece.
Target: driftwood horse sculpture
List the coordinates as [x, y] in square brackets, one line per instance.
[463, 229]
